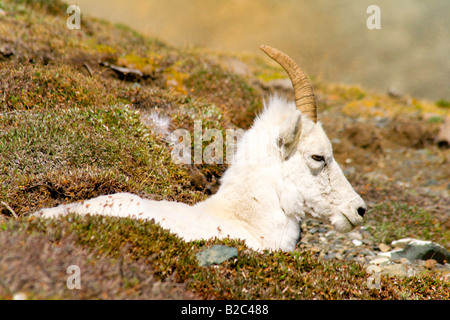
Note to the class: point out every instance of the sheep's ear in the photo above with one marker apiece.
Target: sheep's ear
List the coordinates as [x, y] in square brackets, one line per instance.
[289, 134]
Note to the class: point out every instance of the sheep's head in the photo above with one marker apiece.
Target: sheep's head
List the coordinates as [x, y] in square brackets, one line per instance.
[312, 182]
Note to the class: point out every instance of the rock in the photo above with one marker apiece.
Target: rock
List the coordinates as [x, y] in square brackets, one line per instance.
[402, 243]
[124, 73]
[418, 250]
[360, 260]
[20, 296]
[394, 92]
[380, 261]
[215, 255]
[330, 233]
[430, 264]
[236, 66]
[405, 261]
[395, 270]
[313, 230]
[323, 230]
[329, 256]
[348, 171]
[355, 235]
[339, 256]
[359, 247]
[390, 253]
[443, 137]
[446, 277]
[5, 53]
[368, 253]
[335, 141]
[281, 84]
[384, 247]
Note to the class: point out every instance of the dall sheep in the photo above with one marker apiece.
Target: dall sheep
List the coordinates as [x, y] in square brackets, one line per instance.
[260, 201]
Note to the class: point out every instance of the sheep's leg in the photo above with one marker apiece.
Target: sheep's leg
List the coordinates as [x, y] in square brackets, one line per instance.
[119, 205]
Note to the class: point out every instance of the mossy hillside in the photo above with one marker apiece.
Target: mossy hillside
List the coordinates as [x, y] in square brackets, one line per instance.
[252, 275]
[67, 134]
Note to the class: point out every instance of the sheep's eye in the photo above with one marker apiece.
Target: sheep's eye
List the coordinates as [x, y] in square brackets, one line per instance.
[317, 157]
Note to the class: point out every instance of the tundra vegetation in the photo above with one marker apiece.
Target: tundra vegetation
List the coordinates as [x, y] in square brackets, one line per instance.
[73, 127]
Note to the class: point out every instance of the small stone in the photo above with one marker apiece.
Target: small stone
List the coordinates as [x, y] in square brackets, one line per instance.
[339, 256]
[402, 243]
[380, 261]
[20, 296]
[422, 250]
[384, 247]
[357, 242]
[394, 92]
[360, 260]
[281, 84]
[329, 256]
[335, 141]
[136, 85]
[349, 171]
[446, 277]
[430, 264]
[355, 235]
[330, 233]
[215, 255]
[368, 253]
[236, 66]
[395, 270]
[443, 137]
[404, 261]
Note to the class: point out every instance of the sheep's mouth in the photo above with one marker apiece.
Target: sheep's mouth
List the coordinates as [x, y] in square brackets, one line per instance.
[358, 221]
[352, 225]
[344, 225]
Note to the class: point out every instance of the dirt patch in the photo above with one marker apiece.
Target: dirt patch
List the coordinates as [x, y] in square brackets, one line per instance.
[365, 136]
[36, 266]
[410, 132]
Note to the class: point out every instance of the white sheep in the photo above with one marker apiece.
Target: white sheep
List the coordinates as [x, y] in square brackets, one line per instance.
[265, 193]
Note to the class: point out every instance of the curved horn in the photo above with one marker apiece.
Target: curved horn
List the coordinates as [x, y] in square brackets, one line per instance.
[304, 96]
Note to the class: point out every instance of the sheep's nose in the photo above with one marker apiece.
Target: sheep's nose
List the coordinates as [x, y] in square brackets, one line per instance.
[361, 211]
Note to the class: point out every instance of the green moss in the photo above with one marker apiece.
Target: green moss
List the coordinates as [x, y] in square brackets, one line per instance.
[111, 138]
[46, 87]
[53, 7]
[103, 48]
[410, 222]
[443, 103]
[252, 275]
[236, 99]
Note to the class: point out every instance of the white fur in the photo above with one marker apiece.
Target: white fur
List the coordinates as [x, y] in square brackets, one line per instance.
[271, 185]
